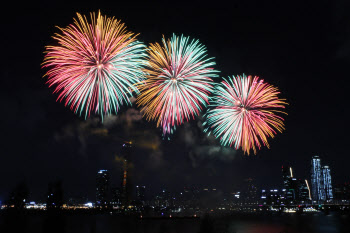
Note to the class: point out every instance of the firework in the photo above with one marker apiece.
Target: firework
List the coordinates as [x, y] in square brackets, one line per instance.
[178, 83]
[95, 65]
[243, 113]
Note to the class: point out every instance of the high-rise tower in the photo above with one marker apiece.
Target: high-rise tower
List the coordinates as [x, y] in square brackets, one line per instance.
[327, 182]
[286, 174]
[249, 193]
[289, 184]
[303, 191]
[126, 176]
[317, 185]
[102, 187]
[140, 194]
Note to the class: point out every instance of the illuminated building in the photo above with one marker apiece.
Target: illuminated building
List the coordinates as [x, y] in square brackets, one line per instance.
[116, 197]
[270, 197]
[286, 174]
[292, 193]
[77, 200]
[342, 193]
[317, 185]
[235, 196]
[249, 195]
[33, 205]
[54, 195]
[290, 185]
[189, 197]
[327, 183]
[126, 176]
[303, 192]
[163, 198]
[140, 194]
[294, 190]
[102, 187]
[263, 194]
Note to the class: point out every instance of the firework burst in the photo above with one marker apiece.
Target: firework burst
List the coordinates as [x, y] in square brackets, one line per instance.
[95, 65]
[178, 83]
[243, 113]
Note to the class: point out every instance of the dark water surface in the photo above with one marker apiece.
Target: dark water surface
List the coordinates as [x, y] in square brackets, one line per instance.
[291, 223]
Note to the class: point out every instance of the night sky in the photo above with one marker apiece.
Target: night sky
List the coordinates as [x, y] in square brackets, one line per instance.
[304, 49]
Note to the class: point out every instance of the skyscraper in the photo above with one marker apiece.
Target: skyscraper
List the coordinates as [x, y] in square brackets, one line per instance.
[249, 193]
[102, 187]
[140, 194]
[290, 185]
[55, 195]
[294, 190]
[303, 191]
[116, 197]
[327, 183]
[126, 176]
[317, 185]
[286, 174]
[342, 193]
[163, 198]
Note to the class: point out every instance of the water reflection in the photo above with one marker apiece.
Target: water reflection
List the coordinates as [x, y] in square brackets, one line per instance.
[63, 223]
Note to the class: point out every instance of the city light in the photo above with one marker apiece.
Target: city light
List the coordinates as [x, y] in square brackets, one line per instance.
[293, 196]
[89, 204]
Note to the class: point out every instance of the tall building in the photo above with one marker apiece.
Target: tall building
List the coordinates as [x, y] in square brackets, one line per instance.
[163, 198]
[342, 193]
[116, 197]
[270, 197]
[286, 175]
[140, 193]
[54, 195]
[249, 193]
[102, 188]
[290, 185]
[317, 185]
[327, 183]
[126, 175]
[303, 191]
[294, 190]
[190, 196]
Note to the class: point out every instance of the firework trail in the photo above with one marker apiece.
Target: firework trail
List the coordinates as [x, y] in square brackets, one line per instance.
[242, 113]
[178, 83]
[95, 65]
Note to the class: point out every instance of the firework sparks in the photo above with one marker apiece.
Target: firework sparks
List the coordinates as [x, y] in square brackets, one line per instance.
[242, 113]
[178, 83]
[95, 65]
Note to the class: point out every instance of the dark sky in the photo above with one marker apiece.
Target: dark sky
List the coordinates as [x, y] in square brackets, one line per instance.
[302, 48]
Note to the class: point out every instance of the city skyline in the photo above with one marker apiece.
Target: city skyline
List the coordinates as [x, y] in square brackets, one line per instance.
[291, 186]
[292, 191]
[45, 141]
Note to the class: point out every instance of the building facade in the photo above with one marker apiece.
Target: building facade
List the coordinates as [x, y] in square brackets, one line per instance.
[290, 185]
[116, 197]
[317, 185]
[126, 187]
[140, 194]
[327, 183]
[102, 188]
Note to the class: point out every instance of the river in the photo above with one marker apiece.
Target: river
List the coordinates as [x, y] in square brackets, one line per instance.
[286, 223]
